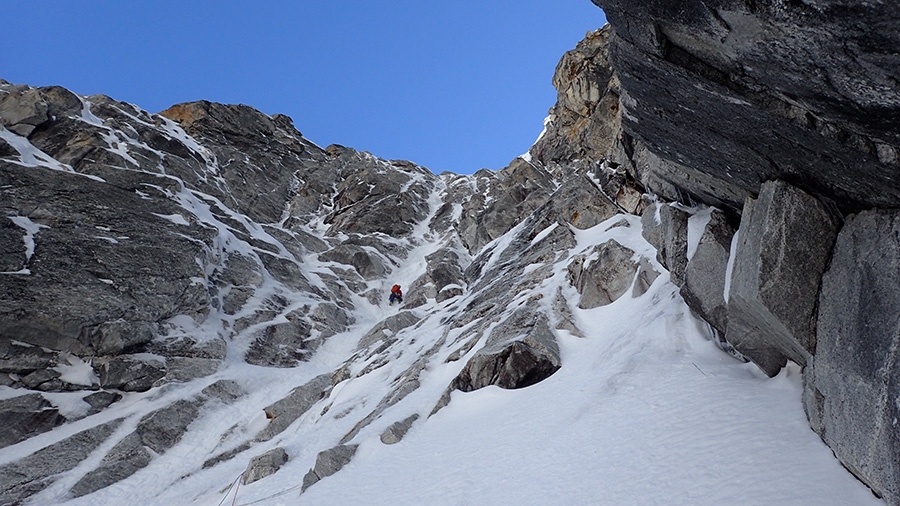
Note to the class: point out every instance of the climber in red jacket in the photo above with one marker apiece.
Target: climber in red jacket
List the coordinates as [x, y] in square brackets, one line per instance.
[396, 295]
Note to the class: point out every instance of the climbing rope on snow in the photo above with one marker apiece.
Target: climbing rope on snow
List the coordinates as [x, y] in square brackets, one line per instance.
[238, 487]
[228, 492]
[276, 494]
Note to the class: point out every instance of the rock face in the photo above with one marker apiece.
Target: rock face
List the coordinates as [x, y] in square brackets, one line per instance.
[25, 416]
[602, 275]
[264, 465]
[665, 227]
[854, 384]
[706, 273]
[585, 122]
[786, 238]
[518, 354]
[787, 107]
[802, 91]
[163, 255]
[329, 462]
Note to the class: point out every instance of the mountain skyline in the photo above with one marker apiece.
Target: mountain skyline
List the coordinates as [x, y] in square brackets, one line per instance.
[453, 88]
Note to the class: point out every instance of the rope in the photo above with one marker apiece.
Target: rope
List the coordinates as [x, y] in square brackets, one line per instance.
[240, 479]
[283, 492]
[229, 489]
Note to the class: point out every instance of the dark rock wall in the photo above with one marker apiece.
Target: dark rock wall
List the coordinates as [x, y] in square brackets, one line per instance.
[740, 92]
[783, 115]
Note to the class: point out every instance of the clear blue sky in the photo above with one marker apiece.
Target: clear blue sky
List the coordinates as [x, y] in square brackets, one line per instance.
[452, 85]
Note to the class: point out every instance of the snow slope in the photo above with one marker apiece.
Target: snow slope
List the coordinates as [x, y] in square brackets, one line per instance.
[645, 410]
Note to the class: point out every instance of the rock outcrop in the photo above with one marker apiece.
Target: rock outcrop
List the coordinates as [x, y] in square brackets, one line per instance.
[854, 381]
[729, 95]
[787, 107]
[163, 255]
[785, 241]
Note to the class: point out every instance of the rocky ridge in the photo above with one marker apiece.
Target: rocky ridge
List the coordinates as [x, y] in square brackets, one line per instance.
[160, 258]
[157, 257]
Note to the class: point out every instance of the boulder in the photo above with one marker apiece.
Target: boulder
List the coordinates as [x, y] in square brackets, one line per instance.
[603, 274]
[131, 373]
[784, 244]
[264, 465]
[519, 352]
[853, 387]
[704, 278]
[22, 111]
[329, 462]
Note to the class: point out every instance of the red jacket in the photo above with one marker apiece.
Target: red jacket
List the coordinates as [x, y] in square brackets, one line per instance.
[396, 289]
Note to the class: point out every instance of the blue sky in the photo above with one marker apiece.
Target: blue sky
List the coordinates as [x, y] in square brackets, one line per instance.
[453, 86]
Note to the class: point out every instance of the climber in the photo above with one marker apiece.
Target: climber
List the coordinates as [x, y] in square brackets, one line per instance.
[396, 295]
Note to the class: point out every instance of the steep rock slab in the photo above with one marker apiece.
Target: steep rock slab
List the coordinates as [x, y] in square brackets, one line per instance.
[25, 416]
[367, 263]
[853, 399]
[285, 411]
[35, 472]
[705, 275]
[443, 279]
[740, 92]
[22, 110]
[100, 279]
[156, 433]
[502, 200]
[261, 156]
[395, 432]
[785, 241]
[380, 196]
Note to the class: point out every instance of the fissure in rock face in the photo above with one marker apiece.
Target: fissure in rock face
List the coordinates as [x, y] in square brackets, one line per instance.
[162, 255]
